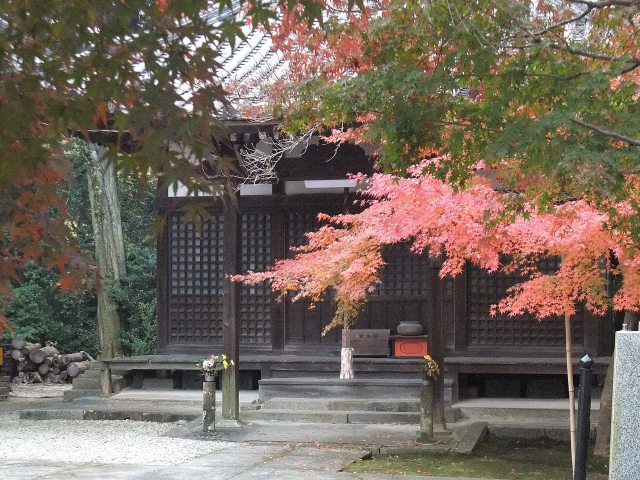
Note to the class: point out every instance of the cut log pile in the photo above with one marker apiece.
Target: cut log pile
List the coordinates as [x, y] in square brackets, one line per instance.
[45, 364]
[5, 385]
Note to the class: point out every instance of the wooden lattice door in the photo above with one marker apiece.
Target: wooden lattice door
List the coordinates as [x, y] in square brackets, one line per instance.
[255, 300]
[195, 280]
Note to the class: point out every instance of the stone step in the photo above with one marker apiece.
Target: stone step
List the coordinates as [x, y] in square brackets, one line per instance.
[357, 388]
[86, 383]
[89, 385]
[335, 417]
[338, 404]
[558, 431]
[109, 414]
[91, 382]
[292, 373]
[519, 410]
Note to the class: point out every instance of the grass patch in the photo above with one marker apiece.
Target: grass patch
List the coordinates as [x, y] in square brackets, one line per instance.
[494, 458]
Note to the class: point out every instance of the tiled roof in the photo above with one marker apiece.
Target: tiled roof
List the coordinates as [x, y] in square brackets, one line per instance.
[251, 63]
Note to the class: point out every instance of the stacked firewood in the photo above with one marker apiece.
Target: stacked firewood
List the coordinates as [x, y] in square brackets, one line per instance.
[5, 386]
[45, 364]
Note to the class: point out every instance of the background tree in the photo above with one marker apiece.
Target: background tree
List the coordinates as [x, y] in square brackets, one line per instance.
[40, 310]
[145, 69]
[548, 89]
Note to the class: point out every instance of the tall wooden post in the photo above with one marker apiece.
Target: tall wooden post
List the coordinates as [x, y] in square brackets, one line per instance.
[572, 401]
[231, 312]
[436, 345]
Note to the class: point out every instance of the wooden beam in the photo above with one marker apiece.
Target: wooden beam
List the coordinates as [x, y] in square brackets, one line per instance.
[162, 272]
[231, 312]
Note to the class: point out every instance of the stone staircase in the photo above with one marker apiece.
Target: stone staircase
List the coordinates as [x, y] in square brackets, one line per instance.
[334, 410]
[368, 400]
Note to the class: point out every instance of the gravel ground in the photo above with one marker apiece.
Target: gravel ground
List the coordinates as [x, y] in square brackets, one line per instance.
[38, 390]
[107, 442]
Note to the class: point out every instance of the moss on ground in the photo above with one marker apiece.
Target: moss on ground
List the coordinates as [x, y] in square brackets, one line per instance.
[494, 458]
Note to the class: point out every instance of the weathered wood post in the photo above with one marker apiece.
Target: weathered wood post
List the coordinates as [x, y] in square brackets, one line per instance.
[568, 337]
[106, 381]
[231, 312]
[436, 350]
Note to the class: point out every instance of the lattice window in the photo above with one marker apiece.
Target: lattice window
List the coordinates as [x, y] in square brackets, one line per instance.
[298, 223]
[486, 289]
[405, 274]
[255, 301]
[195, 279]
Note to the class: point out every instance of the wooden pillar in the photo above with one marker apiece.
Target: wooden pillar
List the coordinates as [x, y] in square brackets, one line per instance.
[231, 312]
[106, 380]
[162, 270]
[436, 347]
[278, 252]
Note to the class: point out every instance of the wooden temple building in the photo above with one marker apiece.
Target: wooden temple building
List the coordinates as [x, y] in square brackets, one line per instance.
[283, 338]
[484, 355]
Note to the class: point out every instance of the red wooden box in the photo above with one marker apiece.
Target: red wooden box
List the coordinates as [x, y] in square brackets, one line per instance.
[410, 346]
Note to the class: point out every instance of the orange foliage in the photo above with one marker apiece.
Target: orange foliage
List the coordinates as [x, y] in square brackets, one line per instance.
[34, 222]
[460, 226]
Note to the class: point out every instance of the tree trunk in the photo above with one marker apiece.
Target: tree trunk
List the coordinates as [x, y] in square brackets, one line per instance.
[26, 365]
[109, 246]
[346, 356]
[29, 347]
[18, 342]
[603, 432]
[39, 355]
[76, 368]
[572, 401]
[17, 355]
[67, 358]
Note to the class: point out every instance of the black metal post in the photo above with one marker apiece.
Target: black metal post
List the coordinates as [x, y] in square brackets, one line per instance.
[584, 420]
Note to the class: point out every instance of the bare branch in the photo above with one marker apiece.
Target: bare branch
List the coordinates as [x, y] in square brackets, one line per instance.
[563, 23]
[635, 64]
[260, 166]
[608, 133]
[581, 53]
[606, 3]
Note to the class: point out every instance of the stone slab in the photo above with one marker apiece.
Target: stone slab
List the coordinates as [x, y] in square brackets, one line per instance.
[51, 414]
[410, 418]
[188, 472]
[471, 438]
[71, 395]
[624, 463]
[304, 416]
[29, 471]
[343, 404]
